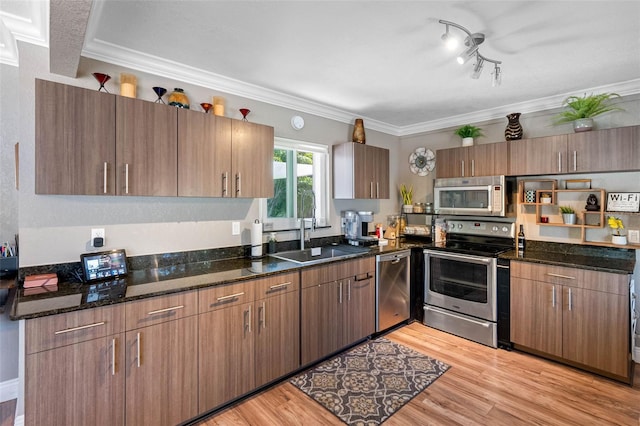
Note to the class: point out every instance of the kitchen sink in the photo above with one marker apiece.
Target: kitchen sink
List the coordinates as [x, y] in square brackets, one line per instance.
[315, 255]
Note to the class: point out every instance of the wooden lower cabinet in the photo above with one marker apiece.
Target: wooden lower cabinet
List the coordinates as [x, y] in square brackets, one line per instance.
[161, 373]
[248, 338]
[338, 312]
[76, 385]
[575, 315]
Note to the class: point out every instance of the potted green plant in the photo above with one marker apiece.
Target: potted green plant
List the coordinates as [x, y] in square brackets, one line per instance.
[468, 133]
[568, 215]
[581, 110]
[407, 198]
[616, 224]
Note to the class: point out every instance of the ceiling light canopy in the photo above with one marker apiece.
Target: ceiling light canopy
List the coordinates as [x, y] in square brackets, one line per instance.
[472, 43]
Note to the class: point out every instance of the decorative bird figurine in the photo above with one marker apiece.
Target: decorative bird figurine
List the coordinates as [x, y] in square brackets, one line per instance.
[514, 129]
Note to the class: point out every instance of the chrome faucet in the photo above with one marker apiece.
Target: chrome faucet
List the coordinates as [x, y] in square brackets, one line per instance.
[312, 219]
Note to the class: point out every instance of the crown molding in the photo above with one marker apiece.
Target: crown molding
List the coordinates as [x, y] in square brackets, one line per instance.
[32, 29]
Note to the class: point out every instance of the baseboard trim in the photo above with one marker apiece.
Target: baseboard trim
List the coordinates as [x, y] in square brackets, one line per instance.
[636, 354]
[9, 390]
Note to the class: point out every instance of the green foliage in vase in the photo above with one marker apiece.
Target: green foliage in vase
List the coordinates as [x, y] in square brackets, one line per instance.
[587, 106]
[469, 131]
[567, 210]
[407, 194]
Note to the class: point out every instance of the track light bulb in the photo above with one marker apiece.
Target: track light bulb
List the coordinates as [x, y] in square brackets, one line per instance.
[449, 40]
[477, 68]
[467, 54]
[497, 76]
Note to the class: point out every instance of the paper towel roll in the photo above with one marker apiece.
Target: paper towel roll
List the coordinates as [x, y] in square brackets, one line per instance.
[256, 239]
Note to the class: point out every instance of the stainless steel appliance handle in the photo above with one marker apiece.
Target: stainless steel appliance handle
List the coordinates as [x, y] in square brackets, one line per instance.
[484, 324]
[453, 256]
[503, 267]
[365, 278]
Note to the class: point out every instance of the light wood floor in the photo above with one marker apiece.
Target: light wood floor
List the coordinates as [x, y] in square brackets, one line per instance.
[485, 386]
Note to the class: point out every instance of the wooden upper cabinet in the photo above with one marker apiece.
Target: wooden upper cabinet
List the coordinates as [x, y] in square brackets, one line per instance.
[252, 160]
[204, 154]
[147, 151]
[360, 171]
[609, 150]
[547, 155]
[75, 140]
[479, 160]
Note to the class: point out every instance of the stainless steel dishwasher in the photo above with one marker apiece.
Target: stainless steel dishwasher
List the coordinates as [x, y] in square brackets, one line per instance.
[393, 282]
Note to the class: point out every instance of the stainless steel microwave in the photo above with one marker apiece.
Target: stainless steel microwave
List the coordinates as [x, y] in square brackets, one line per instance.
[475, 196]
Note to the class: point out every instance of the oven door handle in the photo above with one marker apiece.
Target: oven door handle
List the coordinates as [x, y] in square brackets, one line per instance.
[443, 255]
[482, 323]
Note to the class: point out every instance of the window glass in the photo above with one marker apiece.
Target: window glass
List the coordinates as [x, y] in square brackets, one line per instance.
[300, 179]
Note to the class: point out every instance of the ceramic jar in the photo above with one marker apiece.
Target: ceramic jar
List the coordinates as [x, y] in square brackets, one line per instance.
[358, 131]
[178, 98]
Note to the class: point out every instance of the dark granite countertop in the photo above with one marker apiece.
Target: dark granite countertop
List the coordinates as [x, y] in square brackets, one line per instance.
[143, 283]
[605, 259]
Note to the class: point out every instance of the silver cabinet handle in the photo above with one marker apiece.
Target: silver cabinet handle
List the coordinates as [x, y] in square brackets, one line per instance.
[104, 178]
[559, 161]
[377, 189]
[82, 327]
[238, 184]
[126, 178]
[160, 311]
[231, 296]
[462, 168]
[473, 167]
[113, 357]
[225, 183]
[561, 276]
[553, 296]
[570, 301]
[349, 290]
[371, 189]
[340, 292]
[575, 161]
[138, 349]
[278, 286]
[264, 315]
[249, 318]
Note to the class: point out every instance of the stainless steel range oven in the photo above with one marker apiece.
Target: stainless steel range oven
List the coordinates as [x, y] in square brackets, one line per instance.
[461, 279]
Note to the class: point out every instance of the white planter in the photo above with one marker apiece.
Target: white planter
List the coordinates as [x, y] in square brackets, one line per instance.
[569, 218]
[583, 125]
[467, 141]
[619, 240]
[407, 208]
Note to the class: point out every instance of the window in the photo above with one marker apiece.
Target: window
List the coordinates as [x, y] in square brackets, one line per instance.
[300, 179]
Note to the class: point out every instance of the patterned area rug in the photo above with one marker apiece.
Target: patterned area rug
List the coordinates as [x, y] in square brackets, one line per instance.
[366, 385]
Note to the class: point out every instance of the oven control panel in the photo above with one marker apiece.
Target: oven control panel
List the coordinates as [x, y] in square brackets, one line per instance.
[484, 228]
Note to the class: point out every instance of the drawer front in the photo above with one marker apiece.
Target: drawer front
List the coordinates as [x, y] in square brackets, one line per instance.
[155, 310]
[572, 277]
[73, 327]
[338, 270]
[319, 274]
[277, 284]
[224, 296]
[358, 268]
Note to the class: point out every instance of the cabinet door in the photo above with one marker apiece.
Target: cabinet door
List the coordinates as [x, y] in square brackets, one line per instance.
[350, 180]
[451, 162]
[537, 156]
[536, 315]
[204, 154]
[608, 150]
[162, 373]
[488, 160]
[226, 355]
[147, 149]
[377, 171]
[75, 140]
[360, 302]
[277, 336]
[252, 160]
[322, 323]
[596, 329]
[76, 385]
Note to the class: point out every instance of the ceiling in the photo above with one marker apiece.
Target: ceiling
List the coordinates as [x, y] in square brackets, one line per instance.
[380, 60]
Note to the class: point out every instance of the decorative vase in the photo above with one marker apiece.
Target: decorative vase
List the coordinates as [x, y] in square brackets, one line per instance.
[467, 141]
[514, 128]
[407, 208]
[128, 83]
[620, 240]
[358, 131]
[583, 125]
[569, 218]
[177, 98]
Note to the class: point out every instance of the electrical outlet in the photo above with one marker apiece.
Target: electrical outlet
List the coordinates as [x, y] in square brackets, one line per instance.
[634, 236]
[235, 228]
[97, 233]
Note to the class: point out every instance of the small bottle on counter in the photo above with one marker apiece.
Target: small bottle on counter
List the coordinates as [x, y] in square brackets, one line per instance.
[521, 241]
[272, 243]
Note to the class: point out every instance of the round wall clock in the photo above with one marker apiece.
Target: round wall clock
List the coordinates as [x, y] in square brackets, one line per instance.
[422, 161]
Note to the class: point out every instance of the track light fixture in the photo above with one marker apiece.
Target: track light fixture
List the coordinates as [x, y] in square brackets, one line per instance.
[472, 43]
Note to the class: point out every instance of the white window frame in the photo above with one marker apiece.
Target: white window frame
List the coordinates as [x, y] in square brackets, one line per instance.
[321, 187]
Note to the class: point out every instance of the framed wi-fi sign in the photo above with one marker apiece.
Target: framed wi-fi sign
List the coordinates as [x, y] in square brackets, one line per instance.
[623, 201]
